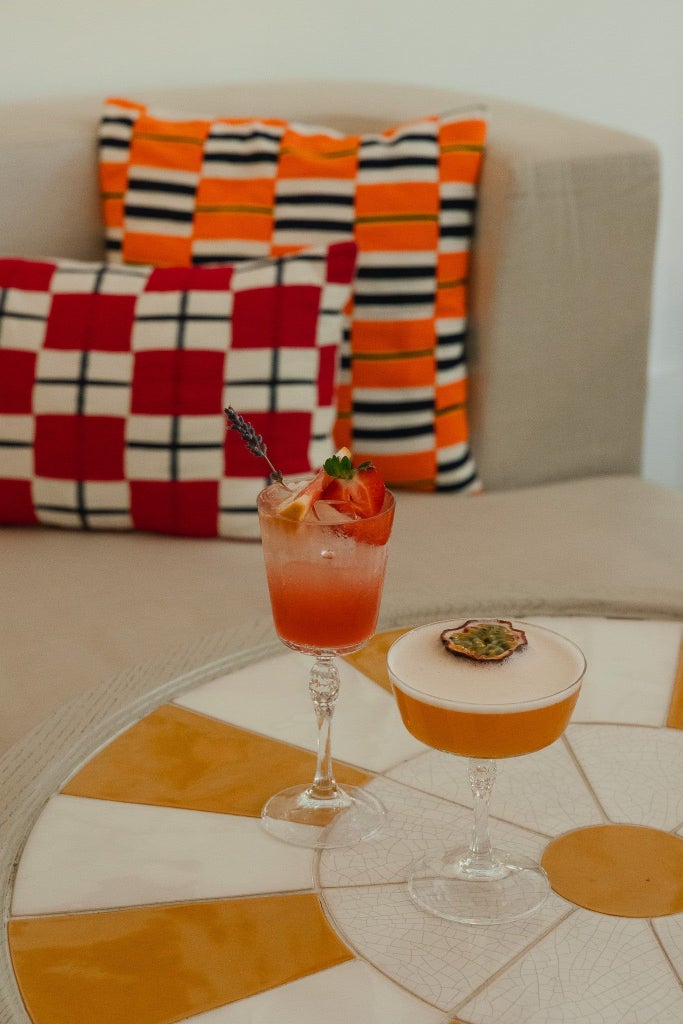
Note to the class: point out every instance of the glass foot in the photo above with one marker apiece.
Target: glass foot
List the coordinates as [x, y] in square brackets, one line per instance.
[450, 886]
[297, 816]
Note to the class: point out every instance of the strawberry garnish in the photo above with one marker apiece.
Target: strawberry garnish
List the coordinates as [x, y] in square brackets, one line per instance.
[359, 491]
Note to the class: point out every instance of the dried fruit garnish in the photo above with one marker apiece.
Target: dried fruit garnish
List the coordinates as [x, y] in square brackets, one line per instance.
[484, 639]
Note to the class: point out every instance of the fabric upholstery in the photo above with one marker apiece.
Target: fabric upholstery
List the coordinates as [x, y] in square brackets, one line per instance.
[180, 191]
[113, 380]
[562, 256]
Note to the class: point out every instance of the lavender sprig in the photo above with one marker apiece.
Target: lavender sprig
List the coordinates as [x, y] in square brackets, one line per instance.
[253, 441]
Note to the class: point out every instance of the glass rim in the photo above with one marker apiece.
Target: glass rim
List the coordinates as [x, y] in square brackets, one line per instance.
[272, 514]
[497, 708]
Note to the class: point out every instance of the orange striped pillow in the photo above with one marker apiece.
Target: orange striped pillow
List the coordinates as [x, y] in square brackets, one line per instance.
[183, 191]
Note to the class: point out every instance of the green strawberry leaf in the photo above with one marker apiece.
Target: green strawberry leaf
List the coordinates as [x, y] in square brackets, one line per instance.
[342, 469]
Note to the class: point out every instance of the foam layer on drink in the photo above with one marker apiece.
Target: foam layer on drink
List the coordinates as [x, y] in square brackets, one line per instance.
[543, 672]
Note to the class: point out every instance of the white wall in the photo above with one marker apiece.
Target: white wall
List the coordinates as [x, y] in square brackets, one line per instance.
[618, 62]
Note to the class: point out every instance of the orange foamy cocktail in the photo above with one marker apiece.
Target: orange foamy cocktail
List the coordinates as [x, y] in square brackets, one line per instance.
[486, 709]
[325, 570]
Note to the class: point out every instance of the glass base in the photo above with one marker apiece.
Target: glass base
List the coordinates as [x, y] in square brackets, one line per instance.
[453, 887]
[298, 817]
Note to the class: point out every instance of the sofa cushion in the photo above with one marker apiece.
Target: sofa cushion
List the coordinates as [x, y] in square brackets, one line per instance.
[113, 382]
[180, 190]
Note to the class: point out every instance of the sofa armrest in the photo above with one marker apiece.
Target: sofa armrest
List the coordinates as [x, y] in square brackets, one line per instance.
[560, 300]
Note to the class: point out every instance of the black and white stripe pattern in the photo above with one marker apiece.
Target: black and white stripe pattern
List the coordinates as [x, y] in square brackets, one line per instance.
[174, 447]
[241, 151]
[313, 211]
[234, 250]
[389, 426]
[272, 380]
[411, 152]
[191, 320]
[161, 201]
[83, 504]
[450, 350]
[457, 205]
[395, 286]
[115, 134]
[84, 382]
[456, 470]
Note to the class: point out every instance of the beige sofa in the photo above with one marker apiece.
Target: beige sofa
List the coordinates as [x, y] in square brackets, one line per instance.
[560, 303]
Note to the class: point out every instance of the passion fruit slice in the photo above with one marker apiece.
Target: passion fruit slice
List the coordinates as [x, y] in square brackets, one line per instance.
[484, 639]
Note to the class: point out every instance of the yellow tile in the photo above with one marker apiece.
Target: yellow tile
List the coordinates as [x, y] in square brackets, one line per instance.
[155, 965]
[177, 758]
[371, 660]
[622, 870]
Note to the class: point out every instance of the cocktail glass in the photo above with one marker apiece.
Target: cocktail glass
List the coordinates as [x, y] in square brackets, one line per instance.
[485, 712]
[325, 579]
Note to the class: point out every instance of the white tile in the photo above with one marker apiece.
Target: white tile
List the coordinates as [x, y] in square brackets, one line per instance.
[367, 729]
[669, 931]
[637, 774]
[88, 854]
[591, 968]
[543, 791]
[631, 667]
[340, 995]
[439, 961]
[416, 823]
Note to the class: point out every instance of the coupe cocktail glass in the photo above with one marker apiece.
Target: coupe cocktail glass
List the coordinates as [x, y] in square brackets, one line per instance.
[483, 711]
[325, 581]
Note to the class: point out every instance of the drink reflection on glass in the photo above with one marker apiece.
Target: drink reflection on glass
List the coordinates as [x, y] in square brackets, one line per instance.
[486, 704]
[325, 568]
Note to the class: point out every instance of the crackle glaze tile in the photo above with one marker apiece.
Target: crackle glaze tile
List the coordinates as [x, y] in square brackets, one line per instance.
[90, 854]
[636, 773]
[591, 969]
[416, 823]
[441, 962]
[669, 931]
[631, 667]
[543, 791]
[353, 991]
[367, 727]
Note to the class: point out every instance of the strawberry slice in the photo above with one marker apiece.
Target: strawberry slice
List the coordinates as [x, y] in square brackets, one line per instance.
[361, 489]
[299, 505]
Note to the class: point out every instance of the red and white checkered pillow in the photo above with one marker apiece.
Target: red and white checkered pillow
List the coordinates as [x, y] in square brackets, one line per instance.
[113, 381]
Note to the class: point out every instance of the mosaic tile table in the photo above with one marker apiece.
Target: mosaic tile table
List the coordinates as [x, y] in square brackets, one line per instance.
[147, 891]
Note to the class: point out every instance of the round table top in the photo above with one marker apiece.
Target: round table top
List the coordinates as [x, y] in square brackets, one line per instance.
[147, 891]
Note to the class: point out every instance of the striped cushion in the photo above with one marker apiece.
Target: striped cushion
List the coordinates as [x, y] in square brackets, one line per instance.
[113, 382]
[196, 191]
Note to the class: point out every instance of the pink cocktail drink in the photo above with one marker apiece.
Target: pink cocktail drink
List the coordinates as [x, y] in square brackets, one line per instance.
[325, 550]
[325, 578]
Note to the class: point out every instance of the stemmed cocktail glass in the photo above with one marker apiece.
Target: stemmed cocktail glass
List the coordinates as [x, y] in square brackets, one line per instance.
[325, 578]
[483, 710]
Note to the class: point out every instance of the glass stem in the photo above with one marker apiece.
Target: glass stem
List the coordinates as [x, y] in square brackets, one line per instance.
[482, 776]
[324, 687]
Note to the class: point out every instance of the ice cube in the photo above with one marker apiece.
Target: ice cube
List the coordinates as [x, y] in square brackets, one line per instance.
[330, 513]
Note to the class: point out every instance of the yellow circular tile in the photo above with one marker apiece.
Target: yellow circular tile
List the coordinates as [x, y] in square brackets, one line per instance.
[622, 870]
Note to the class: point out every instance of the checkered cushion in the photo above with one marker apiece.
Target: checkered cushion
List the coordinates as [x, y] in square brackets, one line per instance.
[192, 191]
[113, 380]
